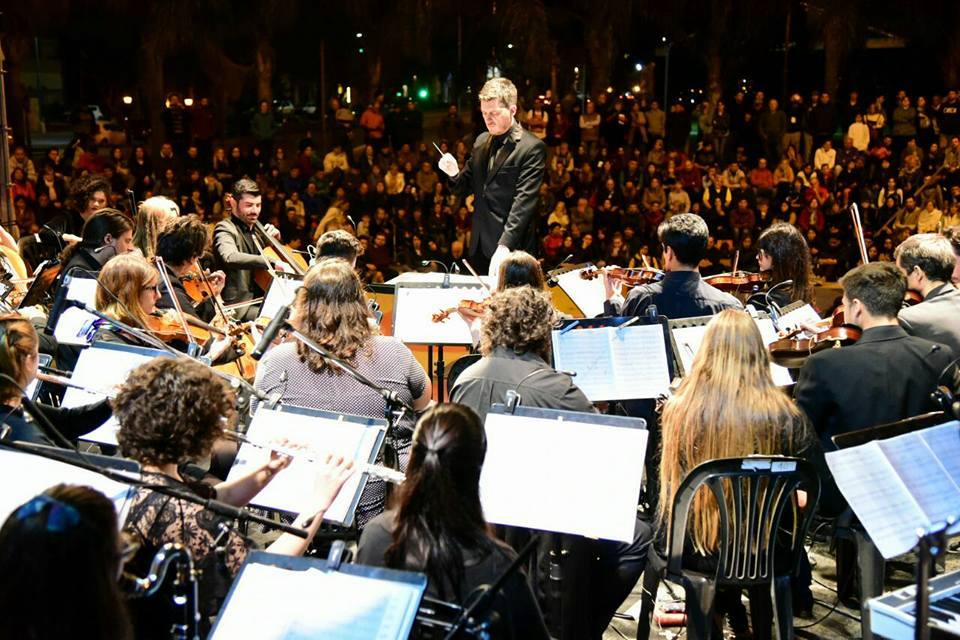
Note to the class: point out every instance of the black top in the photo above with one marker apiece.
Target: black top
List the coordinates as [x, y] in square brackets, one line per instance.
[681, 294]
[71, 423]
[519, 614]
[204, 310]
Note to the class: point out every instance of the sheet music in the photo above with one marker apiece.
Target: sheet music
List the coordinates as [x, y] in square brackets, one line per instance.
[804, 315]
[781, 375]
[880, 499]
[273, 603]
[588, 295]
[640, 362]
[104, 368]
[75, 326]
[436, 277]
[688, 340]
[316, 436]
[25, 475]
[920, 469]
[415, 306]
[571, 477]
[587, 352]
[282, 291]
[944, 441]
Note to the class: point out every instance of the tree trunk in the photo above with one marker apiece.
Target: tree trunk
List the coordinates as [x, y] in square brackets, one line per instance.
[600, 50]
[834, 50]
[264, 65]
[16, 50]
[374, 73]
[151, 74]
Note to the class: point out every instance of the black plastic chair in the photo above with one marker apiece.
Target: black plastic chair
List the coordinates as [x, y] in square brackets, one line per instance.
[752, 495]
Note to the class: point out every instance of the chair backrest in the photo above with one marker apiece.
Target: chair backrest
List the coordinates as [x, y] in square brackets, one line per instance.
[752, 495]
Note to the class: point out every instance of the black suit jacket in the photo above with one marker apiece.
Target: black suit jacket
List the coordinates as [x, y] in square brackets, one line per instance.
[506, 196]
[885, 376]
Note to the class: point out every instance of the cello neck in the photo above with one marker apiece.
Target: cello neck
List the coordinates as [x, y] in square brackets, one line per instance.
[281, 249]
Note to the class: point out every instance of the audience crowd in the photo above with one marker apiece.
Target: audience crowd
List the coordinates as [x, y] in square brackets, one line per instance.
[617, 167]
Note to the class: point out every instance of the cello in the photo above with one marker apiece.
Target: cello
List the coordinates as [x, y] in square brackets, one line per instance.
[273, 250]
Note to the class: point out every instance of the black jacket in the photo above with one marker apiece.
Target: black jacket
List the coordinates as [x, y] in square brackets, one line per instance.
[681, 294]
[506, 196]
[71, 423]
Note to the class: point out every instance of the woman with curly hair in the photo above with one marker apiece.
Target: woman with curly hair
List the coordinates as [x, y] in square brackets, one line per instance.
[782, 250]
[330, 308]
[170, 412]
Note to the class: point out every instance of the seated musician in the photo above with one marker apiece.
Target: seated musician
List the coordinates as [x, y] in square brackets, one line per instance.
[928, 261]
[953, 235]
[515, 343]
[887, 375]
[128, 290]
[63, 546]
[19, 360]
[235, 248]
[152, 214]
[181, 243]
[518, 269]
[106, 234]
[436, 524]
[330, 308]
[171, 410]
[699, 423]
[681, 293]
[782, 250]
[338, 244]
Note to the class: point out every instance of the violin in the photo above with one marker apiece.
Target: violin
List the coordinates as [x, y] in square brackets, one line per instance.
[630, 277]
[196, 285]
[169, 329]
[790, 351]
[736, 280]
[476, 306]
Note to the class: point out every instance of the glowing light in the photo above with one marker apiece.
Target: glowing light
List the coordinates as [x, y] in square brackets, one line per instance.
[638, 66]
[359, 35]
[636, 88]
[127, 99]
[188, 102]
[609, 89]
[510, 45]
[422, 93]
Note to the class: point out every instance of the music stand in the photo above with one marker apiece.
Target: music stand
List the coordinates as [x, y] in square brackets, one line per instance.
[39, 289]
[24, 475]
[315, 433]
[287, 598]
[76, 326]
[586, 295]
[282, 291]
[101, 367]
[415, 304]
[619, 358]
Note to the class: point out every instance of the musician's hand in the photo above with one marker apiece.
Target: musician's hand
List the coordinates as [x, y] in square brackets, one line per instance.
[282, 267]
[217, 280]
[468, 314]
[219, 348]
[272, 231]
[496, 259]
[448, 164]
[69, 237]
[277, 463]
[611, 286]
[331, 474]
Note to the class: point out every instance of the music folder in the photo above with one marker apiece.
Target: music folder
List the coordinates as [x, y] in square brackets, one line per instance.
[563, 471]
[278, 597]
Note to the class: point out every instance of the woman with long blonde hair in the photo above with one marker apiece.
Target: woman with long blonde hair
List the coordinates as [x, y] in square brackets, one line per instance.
[152, 214]
[727, 407]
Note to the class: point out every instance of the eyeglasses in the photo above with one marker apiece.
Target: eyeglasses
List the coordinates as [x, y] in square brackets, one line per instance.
[154, 287]
[60, 516]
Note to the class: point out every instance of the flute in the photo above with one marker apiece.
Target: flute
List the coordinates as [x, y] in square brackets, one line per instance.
[376, 470]
[67, 382]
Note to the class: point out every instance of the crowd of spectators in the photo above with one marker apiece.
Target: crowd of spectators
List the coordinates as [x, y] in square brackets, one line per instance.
[617, 167]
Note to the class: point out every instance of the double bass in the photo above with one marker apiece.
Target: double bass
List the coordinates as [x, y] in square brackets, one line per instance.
[273, 250]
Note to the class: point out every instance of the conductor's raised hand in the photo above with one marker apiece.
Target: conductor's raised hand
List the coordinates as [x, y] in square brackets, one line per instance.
[448, 164]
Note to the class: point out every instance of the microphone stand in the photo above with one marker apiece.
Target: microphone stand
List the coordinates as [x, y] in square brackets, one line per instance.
[487, 594]
[395, 405]
[220, 508]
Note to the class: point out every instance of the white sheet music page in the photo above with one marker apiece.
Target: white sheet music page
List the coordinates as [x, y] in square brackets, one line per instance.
[314, 437]
[586, 352]
[920, 469]
[640, 365]
[104, 369]
[282, 291]
[688, 340]
[880, 499]
[25, 476]
[781, 375]
[944, 441]
[273, 603]
[804, 315]
[414, 308]
[588, 295]
[564, 476]
[74, 325]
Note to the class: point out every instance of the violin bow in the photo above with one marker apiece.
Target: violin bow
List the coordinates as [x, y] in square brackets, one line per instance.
[193, 347]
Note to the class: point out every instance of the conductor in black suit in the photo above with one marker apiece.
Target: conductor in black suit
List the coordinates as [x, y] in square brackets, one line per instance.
[504, 172]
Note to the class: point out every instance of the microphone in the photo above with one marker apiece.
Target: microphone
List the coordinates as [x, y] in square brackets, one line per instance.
[59, 302]
[552, 281]
[446, 275]
[278, 322]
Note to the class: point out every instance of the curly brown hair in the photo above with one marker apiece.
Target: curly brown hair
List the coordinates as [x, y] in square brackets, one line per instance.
[519, 319]
[171, 410]
[330, 309]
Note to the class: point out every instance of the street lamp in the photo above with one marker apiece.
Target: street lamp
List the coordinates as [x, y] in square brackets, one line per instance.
[188, 102]
[127, 100]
